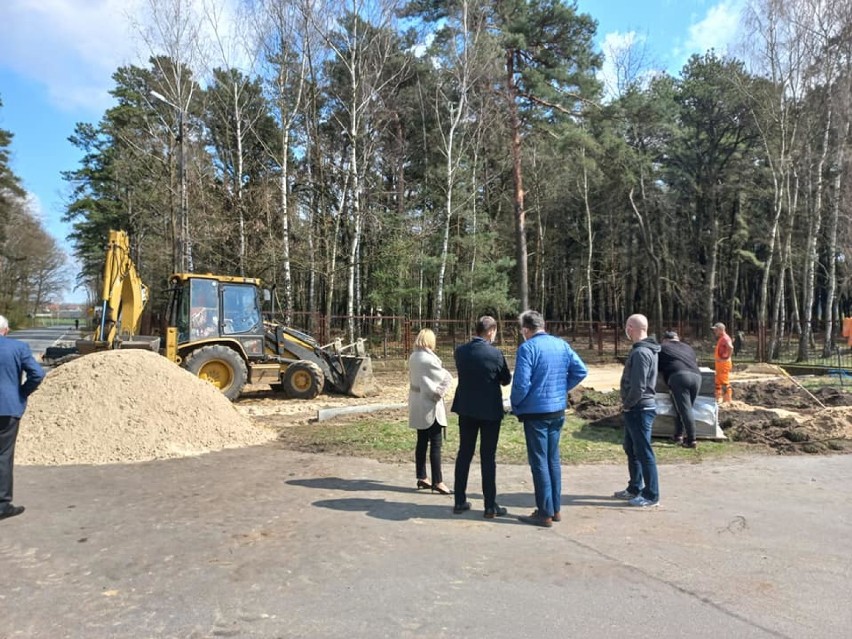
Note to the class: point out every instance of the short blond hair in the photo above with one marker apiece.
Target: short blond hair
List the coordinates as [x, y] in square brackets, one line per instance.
[425, 339]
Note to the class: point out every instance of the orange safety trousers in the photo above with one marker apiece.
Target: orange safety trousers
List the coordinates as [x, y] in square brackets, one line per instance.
[723, 380]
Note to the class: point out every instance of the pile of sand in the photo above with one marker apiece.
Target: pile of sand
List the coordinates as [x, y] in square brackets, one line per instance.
[128, 406]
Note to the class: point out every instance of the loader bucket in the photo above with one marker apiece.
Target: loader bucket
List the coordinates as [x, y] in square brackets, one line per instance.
[359, 377]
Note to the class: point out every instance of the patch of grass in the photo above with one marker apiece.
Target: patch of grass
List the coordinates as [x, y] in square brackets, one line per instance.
[390, 440]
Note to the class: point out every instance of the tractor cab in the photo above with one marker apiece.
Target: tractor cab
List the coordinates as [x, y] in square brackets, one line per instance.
[204, 307]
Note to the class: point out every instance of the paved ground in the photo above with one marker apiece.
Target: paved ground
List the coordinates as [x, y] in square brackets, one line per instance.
[42, 337]
[262, 542]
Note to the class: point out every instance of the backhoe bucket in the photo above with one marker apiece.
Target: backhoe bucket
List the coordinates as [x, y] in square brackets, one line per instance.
[359, 377]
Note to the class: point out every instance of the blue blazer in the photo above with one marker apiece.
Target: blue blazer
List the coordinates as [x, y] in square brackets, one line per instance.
[16, 359]
[482, 369]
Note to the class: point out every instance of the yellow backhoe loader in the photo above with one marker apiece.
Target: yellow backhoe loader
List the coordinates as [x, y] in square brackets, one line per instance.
[214, 328]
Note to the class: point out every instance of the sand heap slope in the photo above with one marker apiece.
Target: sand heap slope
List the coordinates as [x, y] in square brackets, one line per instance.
[128, 406]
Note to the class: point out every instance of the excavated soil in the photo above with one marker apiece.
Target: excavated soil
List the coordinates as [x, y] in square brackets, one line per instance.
[768, 411]
[128, 406]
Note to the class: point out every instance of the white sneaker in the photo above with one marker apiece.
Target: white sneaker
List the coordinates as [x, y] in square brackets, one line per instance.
[641, 502]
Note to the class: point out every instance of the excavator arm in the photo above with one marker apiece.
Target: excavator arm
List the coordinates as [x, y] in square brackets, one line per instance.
[123, 296]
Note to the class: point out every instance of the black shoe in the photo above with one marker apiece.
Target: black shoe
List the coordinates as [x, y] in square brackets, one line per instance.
[458, 509]
[496, 511]
[689, 445]
[12, 511]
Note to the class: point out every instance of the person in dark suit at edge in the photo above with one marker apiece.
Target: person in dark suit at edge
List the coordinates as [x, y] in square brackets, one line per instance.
[482, 370]
[15, 360]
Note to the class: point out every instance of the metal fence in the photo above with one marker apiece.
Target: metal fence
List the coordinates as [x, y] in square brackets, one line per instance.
[390, 338]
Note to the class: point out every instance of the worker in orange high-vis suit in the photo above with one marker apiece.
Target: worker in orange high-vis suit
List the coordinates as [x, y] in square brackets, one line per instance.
[724, 350]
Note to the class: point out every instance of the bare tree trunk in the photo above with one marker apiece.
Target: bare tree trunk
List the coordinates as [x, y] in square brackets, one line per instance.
[712, 267]
[449, 182]
[457, 115]
[171, 32]
[828, 346]
[656, 266]
[811, 257]
[589, 252]
[355, 217]
[517, 180]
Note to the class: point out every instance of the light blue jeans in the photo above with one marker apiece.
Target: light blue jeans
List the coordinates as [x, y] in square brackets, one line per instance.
[542, 436]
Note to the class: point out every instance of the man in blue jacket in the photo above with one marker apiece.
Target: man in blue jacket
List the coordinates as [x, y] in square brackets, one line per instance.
[482, 370]
[15, 360]
[546, 368]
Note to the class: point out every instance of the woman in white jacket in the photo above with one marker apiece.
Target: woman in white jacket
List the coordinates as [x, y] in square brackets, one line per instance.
[428, 381]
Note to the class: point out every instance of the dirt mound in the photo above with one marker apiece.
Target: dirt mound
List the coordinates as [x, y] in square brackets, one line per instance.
[600, 409]
[786, 394]
[828, 431]
[128, 406]
[775, 414]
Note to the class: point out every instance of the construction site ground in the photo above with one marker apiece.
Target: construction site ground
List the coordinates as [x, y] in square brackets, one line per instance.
[771, 411]
[262, 541]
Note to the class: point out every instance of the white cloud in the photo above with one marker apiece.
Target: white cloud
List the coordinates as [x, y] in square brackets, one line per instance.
[716, 30]
[72, 47]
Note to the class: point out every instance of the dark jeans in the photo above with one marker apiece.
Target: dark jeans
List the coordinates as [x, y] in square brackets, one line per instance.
[542, 436]
[469, 429]
[683, 389]
[433, 438]
[641, 461]
[8, 436]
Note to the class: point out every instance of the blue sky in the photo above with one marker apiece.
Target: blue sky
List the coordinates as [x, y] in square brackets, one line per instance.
[57, 58]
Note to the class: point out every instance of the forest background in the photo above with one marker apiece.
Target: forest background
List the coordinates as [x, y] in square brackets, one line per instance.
[437, 160]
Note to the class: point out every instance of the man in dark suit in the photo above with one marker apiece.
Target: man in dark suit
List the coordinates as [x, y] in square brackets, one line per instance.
[15, 359]
[482, 369]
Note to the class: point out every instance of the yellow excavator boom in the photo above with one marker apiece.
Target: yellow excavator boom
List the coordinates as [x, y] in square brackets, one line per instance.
[123, 296]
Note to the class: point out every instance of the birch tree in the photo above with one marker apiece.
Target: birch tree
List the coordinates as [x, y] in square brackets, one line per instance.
[171, 30]
[778, 55]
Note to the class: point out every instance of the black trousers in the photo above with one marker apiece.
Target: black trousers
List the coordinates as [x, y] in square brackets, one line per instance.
[433, 438]
[683, 389]
[469, 429]
[8, 436]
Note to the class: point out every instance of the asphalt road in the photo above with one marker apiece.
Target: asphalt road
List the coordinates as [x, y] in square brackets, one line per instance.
[40, 338]
[263, 542]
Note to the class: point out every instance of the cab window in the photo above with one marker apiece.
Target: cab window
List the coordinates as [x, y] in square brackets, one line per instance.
[204, 309]
[240, 308]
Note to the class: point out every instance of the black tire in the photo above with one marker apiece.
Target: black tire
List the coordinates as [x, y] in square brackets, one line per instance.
[302, 380]
[221, 366]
